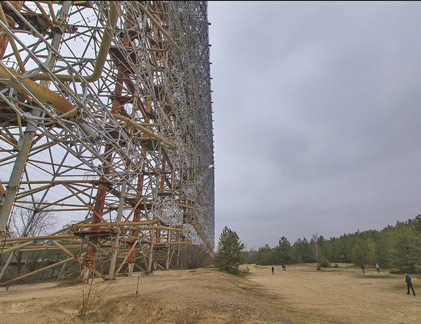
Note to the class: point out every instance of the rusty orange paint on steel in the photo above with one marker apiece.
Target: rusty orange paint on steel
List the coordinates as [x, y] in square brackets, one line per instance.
[4, 39]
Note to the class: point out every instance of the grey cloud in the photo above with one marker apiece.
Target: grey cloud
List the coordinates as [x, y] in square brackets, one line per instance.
[316, 116]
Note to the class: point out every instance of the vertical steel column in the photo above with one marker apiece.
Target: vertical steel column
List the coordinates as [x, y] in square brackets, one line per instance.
[117, 236]
[14, 181]
[150, 260]
[168, 263]
[2, 194]
[136, 215]
[140, 183]
[88, 259]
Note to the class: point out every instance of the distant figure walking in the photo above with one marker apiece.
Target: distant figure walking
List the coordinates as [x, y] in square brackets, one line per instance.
[377, 268]
[409, 284]
[363, 268]
[283, 267]
[273, 270]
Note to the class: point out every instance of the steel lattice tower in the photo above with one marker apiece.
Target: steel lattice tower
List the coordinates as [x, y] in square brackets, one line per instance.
[106, 121]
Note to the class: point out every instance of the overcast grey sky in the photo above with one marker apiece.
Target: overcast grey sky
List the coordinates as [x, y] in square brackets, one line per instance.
[317, 117]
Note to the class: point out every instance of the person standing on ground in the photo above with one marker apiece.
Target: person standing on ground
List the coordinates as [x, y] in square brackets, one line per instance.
[409, 284]
[363, 268]
[283, 267]
[377, 268]
[273, 270]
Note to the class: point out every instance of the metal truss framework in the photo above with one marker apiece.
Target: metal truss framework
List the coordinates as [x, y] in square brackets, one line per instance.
[106, 120]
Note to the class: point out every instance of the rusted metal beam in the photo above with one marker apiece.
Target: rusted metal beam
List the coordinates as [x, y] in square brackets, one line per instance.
[125, 258]
[140, 268]
[3, 42]
[79, 260]
[27, 86]
[4, 39]
[17, 247]
[116, 224]
[36, 248]
[57, 182]
[37, 238]
[146, 131]
[6, 283]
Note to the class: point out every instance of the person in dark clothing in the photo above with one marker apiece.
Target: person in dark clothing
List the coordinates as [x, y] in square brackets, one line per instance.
[273, 270]
[283, 267]
[409, 284]
[363, 268]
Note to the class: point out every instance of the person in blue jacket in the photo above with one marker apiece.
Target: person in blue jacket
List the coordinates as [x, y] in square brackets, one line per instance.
[409, 284]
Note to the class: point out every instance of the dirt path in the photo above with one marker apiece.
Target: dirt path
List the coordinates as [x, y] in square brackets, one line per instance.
[343, 295]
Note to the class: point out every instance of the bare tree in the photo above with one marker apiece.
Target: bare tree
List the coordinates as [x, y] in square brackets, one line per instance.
[193, 257]
[316, 247]
[25, 222]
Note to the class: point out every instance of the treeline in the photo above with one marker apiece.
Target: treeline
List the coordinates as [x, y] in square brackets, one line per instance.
[396, 246]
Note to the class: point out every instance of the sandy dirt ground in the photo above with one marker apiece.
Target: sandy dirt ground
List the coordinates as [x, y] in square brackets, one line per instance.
[299, 295]
[179, 297]
[343, 295]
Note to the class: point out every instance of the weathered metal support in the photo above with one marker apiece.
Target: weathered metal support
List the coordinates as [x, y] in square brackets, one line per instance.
[6, 283]
[4, 39]
[79, 260]
[13, 240]
[16, 247]
[144, 129]
[9, 37]
[118, 224]
[14, 180]
[2, 195]
[26, 86]
[168, 262]
[132, 249]
[151, 252]
[117, 236]
[6, 265]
